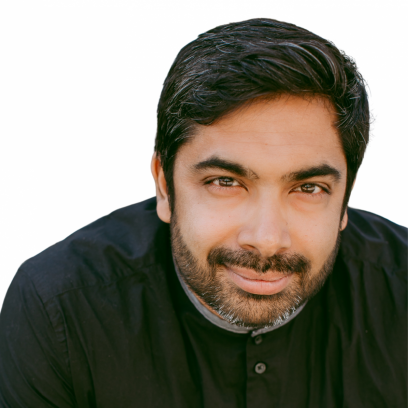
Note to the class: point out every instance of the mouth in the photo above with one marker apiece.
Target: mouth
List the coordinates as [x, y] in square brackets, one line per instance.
[268, 283]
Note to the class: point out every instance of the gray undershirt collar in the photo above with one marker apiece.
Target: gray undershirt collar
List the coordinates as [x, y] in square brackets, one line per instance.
[223, 324]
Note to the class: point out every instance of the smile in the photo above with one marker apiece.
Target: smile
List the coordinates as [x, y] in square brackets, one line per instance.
[248, 280]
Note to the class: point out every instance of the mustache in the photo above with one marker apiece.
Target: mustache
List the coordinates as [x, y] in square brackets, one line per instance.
[282, 263]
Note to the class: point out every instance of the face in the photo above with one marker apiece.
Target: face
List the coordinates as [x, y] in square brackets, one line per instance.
[258, 199]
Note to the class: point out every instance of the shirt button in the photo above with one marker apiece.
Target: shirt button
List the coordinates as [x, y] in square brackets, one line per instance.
[260, 368]
[258, 339]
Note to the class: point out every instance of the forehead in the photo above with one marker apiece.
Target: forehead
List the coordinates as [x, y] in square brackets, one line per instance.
[279, 134]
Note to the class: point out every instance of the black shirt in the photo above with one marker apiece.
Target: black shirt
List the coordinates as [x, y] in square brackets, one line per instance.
[100, 320]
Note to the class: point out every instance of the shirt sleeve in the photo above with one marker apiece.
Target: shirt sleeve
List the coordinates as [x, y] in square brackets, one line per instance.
[33, 370]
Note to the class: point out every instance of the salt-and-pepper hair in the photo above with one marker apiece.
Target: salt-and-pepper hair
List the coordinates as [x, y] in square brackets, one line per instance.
[232, 64]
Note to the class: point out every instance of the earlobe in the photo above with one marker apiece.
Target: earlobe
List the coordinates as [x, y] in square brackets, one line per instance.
[344, 221]
[163, 210]
[163, 205]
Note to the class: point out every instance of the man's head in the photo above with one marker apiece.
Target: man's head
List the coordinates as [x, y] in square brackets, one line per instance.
[262, 126]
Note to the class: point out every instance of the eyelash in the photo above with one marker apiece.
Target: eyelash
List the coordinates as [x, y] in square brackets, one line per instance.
[324, 189]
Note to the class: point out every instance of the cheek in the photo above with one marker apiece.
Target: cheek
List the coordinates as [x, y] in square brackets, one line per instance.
[205, 226]
[315, 237]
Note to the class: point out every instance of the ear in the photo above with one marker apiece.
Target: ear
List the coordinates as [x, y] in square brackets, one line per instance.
[163, 205]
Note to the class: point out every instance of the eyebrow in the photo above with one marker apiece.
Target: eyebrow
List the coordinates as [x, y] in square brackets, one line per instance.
[315, 171]
[216, 162]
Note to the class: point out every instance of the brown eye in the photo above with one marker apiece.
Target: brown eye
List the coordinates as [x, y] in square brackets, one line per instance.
[309, 189]
[225, 182]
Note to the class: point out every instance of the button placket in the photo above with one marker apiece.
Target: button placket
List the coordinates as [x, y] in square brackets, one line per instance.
[262, 381]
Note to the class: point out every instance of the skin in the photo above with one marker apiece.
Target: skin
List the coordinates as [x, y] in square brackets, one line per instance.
[266, 210]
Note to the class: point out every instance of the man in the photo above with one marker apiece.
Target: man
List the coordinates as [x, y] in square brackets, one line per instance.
[247, 281]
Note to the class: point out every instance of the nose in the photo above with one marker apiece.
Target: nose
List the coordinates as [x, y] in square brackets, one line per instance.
[265, 230]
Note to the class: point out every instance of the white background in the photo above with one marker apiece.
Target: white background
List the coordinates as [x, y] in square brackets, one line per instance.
[79, 85]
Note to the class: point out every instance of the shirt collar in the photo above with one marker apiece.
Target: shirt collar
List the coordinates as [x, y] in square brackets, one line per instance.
[223, 324]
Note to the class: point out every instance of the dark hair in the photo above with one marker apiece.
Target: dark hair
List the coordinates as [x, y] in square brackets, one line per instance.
[232, 64]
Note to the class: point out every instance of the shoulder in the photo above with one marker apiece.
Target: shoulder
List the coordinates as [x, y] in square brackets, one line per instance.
[375, 239]
[363, 307]
[368, 284]
[116, 246]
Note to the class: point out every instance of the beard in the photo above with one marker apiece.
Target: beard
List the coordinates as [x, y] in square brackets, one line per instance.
[209, 282]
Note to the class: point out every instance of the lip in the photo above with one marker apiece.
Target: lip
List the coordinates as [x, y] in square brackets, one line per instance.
[248, 280]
